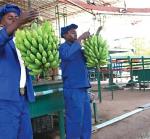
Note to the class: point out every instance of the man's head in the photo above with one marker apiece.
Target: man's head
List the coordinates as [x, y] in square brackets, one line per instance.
[69, 32]
[8, 14]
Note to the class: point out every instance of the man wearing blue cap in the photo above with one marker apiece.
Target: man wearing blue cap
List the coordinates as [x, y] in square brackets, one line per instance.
[15, 83]
[76, 83]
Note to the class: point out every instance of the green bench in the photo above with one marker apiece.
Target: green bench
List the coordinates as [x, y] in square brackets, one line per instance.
[49, 100]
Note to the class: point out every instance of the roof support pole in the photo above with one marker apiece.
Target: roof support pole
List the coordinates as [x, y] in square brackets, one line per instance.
[57, 16]
[29, 4]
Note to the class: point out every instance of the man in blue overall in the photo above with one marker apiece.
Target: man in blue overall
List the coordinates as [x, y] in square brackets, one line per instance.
[76, 83]
[15, 83]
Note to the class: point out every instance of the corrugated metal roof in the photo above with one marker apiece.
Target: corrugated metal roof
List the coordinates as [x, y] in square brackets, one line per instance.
[48, 9]
[52, 9]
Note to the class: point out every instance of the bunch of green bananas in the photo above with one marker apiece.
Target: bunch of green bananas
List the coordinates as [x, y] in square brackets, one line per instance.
[95, 51]
[38, 45]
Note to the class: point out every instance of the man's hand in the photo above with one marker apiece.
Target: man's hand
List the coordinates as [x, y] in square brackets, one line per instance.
[83, 36]
[27, 16]
[24, 18]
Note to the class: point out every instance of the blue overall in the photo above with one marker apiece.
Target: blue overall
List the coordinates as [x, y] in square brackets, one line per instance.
[14, 115]
[76, 83]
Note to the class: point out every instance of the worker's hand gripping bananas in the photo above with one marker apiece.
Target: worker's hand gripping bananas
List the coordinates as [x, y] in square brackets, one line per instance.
[39, 47]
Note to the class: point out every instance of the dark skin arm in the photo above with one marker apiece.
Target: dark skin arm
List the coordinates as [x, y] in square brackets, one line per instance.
[83, 36]
[24, 18]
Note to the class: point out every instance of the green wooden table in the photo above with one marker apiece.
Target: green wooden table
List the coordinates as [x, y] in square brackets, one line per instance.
[49, 99]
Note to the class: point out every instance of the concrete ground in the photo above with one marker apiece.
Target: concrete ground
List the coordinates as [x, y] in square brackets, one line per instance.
[135, 127]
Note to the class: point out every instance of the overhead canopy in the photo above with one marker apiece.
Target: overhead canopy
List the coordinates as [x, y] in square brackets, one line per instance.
[115, 6]
[51, 9]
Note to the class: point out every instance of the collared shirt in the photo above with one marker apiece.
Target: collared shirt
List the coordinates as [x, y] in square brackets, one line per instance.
[10, 70]
[73, 65]
[23, 69]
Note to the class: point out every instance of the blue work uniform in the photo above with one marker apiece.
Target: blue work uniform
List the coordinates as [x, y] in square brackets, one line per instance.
[15, 121]
[76, 83]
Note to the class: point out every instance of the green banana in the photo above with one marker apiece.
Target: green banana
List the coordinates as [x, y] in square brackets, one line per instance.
[54, 64]
[34, 43]
[28, 35]
[95, 51]
[47, 65]
[45, 43]
[49, 47]
[27, 44]
[37, 62]
[39, 31]
[51, 58]
[28, 59]
[34, 50]
[44, 60]
[22, 48]
[41, 49]
[40, 40]
[33, 57]
[38, 45]
[49, 53]
[31, 67]
[39, 56]
[28, 52]
[44, 53]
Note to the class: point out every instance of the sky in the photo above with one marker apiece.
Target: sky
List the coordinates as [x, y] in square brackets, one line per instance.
[117, 28]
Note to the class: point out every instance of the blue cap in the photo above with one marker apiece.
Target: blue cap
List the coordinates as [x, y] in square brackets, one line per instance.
[9, 8]
[65, 29]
